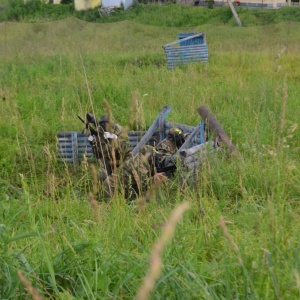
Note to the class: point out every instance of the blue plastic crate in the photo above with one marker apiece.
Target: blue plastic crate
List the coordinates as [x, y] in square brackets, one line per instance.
[199, 39]
[190, 47]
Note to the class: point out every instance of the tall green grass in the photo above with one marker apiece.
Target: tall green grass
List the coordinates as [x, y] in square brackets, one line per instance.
[71, 247]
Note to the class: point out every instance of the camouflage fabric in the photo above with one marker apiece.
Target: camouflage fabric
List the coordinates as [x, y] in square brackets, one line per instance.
[133, 178]
[166, 146]
[112, 152]
[172, 142]
[166, 149]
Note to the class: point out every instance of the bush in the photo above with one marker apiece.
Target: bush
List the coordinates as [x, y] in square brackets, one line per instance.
[90, 15]
[167, 15]
[210, 4]
[35, 10]
[13, 11]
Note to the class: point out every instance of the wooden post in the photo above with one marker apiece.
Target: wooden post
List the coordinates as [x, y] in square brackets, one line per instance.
[234, 13]
[215, 127]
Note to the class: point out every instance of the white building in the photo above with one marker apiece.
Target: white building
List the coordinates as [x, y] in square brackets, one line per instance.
[117, 3]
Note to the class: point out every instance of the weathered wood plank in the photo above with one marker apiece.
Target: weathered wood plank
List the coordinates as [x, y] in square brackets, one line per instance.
[151, 130]
[215, 127]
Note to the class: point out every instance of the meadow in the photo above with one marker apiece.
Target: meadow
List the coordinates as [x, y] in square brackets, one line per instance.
[236, 233]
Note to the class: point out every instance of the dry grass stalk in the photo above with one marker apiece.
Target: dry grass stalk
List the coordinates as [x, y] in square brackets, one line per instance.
[87, 83]
[283, 109]
[113, 154]
[297, 277]
[137, 180]
[103, 162]
[63, 110]
[31, 290]
[141, 203]
[136, 119]
[280, 53]
[84, 162]
[155, 260]
[272, 273]
[95, 180]
[109, 114]
[93, 202]
[110, 129]
[229, 238]
[51, 182]
[69, 244]
[158, 180]
[95, 207]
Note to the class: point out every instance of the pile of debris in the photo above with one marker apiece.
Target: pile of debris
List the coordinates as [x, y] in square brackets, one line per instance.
[169, 147]
[106, 11]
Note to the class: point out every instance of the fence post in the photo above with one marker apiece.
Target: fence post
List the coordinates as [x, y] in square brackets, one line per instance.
[234, 13]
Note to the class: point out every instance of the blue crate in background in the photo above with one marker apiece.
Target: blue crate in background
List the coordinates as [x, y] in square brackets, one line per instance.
[190, 47]
[199, 39]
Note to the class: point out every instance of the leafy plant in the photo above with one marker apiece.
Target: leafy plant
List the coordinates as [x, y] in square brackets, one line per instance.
[11, 262]
[210, 4]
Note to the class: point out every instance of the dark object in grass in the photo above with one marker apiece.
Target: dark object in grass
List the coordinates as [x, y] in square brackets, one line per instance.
[215, 128]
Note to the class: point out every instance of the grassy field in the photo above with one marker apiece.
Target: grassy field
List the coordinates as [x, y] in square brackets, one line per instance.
[239, 238]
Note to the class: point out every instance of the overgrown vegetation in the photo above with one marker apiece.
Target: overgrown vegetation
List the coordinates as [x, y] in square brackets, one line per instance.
[168, 14]
[240, 237]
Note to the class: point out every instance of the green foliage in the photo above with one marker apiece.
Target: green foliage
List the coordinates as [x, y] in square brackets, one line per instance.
[210, 4]
[68, 249]
[90, 15]
[167, 14]
[34, 10]
[11, 261]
